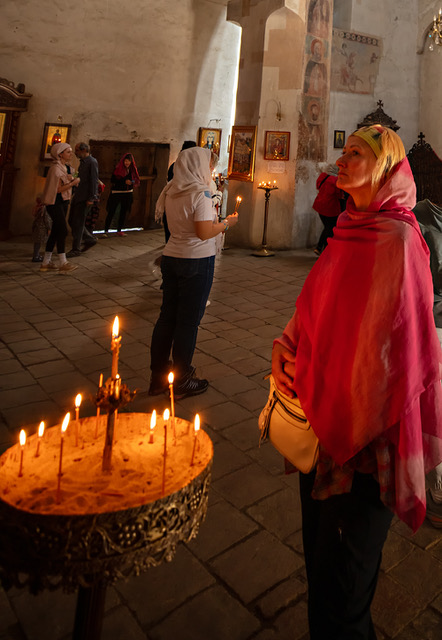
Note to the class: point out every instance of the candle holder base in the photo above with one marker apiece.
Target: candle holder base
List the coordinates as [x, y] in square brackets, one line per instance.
[263, 253]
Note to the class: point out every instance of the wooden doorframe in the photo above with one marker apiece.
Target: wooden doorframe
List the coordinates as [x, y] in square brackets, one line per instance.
[152, 161]
[13, 101]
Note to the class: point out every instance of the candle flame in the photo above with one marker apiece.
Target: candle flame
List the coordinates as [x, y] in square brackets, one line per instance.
[197, 423]
[22, 438]
[41, 429]
[170, 378]
[166, 415]
[78, 400]
[153, 419]
[64, 426]
[116, 328]
[100, 384]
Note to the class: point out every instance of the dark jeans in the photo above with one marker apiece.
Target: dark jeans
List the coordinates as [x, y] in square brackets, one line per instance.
[59, 230]
[125, 201]
[77, 219]
[343, 538]
[329, 224]
[186, 287]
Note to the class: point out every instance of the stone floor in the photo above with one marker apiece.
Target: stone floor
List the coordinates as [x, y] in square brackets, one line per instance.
[243, 577]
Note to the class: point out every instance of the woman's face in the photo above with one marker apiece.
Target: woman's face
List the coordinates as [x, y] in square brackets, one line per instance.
[356, 166]
[127, 162]
[66, 155]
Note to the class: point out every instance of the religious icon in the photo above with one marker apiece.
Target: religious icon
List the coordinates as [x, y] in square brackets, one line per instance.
[52, 134]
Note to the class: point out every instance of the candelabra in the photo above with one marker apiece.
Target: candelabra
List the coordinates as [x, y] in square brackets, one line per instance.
[263, 251]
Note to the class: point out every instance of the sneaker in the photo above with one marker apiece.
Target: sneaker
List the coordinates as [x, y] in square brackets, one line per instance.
[73, 254]
[434, 511]
[48, 267]
[190, 386]
[121, 234]
[37, 259]
[67, 266]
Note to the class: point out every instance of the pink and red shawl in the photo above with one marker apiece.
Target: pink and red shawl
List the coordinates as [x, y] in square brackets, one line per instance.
[368, 358]
[121, 171]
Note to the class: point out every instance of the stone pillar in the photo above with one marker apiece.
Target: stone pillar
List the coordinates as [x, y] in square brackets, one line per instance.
[268, 97]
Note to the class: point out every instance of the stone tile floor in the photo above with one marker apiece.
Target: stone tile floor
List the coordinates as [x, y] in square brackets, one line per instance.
[243, 577]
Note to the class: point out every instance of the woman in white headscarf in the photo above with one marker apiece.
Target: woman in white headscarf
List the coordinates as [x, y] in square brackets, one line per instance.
[187, 266]
[56, 196]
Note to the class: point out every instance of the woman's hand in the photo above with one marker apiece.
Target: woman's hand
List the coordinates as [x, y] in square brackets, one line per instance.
[232, 219]
[74, 182]
[283, 369]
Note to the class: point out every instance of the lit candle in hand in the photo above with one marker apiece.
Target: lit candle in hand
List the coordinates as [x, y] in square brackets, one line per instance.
[115, 347]
[22, 438]
[64, 426]
[197, 428]
[41, 430]
[153, 421]
[238, 202]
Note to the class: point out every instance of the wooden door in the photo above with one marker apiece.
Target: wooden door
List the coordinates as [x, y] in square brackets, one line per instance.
[151, 160]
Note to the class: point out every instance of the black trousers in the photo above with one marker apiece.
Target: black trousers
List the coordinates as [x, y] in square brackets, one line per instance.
[77, 219]
[343, 538]
[59, 229]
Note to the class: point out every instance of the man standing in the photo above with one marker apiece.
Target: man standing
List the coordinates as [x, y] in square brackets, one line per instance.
[84, 197]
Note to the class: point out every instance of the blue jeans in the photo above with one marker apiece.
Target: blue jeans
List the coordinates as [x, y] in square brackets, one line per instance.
[186, 287]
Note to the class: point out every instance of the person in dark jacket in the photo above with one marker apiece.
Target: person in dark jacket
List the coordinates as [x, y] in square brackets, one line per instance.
[124, 178]
[84, 197]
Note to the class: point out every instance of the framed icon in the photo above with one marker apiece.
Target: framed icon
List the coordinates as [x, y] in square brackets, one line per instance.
[339, 139]
[210, 139]
[53, 133]
[242, 153]
[277, 145]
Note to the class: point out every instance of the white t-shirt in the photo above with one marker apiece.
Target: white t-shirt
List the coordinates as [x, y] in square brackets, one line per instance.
[181, 214]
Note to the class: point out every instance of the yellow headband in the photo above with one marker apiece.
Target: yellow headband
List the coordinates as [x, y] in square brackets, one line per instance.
[372, 137]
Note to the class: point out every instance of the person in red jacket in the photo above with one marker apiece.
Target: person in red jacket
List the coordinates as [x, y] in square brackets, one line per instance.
[329, 203]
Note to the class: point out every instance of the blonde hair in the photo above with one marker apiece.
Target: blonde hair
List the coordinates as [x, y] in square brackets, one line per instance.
[387, 147]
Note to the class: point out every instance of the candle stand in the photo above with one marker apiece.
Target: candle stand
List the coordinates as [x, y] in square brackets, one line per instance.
[88, 551]
[263, 251]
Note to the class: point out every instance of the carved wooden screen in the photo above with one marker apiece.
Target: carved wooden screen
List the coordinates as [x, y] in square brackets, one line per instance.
[427, 171]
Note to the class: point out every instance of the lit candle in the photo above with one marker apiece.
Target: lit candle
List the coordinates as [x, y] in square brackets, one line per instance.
[117, 386]
[64, 426]
[197, 428]
[153, 421]
[115, 346]
[77, 416]
[238, 202]
[22, 438]
[41, 430]
[165, 420]
[100, 384]
[172, 404]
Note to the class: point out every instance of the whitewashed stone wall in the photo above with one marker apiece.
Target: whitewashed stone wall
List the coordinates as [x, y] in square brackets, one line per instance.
[145, 70]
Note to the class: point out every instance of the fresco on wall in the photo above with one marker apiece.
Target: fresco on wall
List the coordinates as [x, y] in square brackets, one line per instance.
[319, 18]
[316, 82]
[355, 62]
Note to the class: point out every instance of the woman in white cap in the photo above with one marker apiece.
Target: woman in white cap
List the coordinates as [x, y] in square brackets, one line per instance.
[56, 196]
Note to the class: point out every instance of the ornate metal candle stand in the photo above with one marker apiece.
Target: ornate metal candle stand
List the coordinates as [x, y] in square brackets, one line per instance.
[264, 252]
[89, 551]
[110, 397]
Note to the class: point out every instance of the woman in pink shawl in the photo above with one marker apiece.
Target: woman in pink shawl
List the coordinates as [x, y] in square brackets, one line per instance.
[56, 196]
[363, 355]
